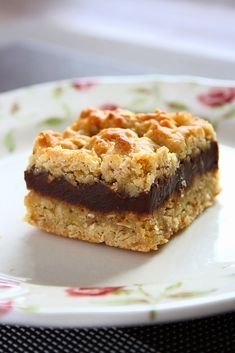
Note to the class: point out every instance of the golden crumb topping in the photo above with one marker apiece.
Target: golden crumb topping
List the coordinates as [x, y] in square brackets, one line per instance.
[126, 150]
[96, 129]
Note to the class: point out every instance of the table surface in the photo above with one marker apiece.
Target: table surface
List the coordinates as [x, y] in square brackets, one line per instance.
[210, 335]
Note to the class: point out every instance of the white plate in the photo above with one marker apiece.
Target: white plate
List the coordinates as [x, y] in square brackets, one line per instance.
[44, 278]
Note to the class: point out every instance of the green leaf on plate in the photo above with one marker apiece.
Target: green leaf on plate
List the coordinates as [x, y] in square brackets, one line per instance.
[154, 90]
[190, 294]
[57, 92]
[127, 301]
[230, 114]
[173, 287]
[138, 101]
[122, 291]
[142, 90]
[177, 105]
[30, 309]
[9, 141]
[52, 121]
[57, 120]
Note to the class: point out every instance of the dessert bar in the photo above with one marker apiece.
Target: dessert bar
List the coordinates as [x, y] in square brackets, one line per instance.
[126, 179]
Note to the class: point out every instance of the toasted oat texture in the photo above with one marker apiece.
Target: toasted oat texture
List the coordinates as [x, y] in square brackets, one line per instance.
[127, 151]
[123, 230]
[173, 157]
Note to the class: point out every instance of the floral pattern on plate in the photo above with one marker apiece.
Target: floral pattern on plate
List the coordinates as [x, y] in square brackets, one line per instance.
[55, 105]
[203, 98]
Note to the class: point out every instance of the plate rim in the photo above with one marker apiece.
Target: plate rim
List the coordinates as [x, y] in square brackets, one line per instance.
[114, 317]
[200, 80]
[204, 305]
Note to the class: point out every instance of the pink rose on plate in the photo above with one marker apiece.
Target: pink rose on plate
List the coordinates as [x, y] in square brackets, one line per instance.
[108, 106]
[216, 97]
[83, 85]
[91, 292]
[5, 306]
[6, 283]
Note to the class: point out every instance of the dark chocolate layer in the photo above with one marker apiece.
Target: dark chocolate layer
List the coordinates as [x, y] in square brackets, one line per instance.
[100, 197]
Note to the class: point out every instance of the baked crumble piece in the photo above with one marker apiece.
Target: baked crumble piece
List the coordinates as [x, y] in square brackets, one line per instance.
[128, 180]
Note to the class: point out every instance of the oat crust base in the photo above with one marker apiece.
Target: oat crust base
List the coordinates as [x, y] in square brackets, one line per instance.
[124, 230]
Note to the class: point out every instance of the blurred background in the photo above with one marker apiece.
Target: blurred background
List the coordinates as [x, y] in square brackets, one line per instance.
[56, 39]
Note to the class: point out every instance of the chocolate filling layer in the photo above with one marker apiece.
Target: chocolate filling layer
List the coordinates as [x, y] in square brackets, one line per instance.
[100, 197]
